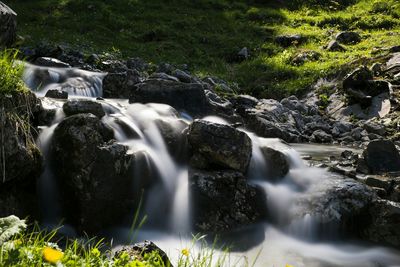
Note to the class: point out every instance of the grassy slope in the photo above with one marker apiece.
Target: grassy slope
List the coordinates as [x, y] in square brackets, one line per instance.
[205, 33]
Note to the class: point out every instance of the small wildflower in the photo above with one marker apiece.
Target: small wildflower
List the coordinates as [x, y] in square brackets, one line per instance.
[52, 255]
[288, 265]
[185, 252]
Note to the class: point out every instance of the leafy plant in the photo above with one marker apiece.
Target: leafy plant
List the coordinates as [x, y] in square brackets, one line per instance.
[10, 226]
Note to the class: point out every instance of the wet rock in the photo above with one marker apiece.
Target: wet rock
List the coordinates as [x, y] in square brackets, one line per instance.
[113, 66]
[8, 25]
[137, 64]
[382, 156]
[137, 251]
[57, 94]
[221, 145]
[187, 97]
[379, 181]
[94, 173]
[384, 223]
[79, 106]
[244, 102]
[120, 85]
[224, 201]
[334, 46]
[288, 40]
[321, 136]
[276, 162]
[51, 62]
[348, 37]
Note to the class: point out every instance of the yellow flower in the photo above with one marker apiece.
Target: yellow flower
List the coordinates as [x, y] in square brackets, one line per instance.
[185, 252]
[288, 265]
[52, 255]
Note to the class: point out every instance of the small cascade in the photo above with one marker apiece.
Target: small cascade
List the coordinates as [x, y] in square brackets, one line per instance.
[153, 134]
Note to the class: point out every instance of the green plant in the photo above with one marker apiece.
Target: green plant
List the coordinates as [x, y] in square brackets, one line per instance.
[10, 73]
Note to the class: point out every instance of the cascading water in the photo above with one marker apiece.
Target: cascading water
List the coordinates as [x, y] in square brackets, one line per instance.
[291, 240]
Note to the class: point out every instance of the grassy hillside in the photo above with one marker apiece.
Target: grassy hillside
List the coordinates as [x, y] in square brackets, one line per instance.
[205, 34]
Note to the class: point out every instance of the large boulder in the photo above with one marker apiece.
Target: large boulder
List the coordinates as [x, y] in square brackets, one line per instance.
[382, 156]
[217, 145]
[8, 25]
[348, 37]
[224, 201]
[79, 106]
[94, 173]
[187, 97]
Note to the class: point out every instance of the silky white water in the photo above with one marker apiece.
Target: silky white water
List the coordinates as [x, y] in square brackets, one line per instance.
[291, 240]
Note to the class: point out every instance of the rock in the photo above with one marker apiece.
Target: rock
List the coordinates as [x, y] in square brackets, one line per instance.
[137, 64]
[376, 68]
[348, 38]
[57, 94]
[344, 206]
[120, 85]
[362, 166]
[382, 156]
[79, 106]
[384, 219]
[243, 54]
[113, 66]
[138, 250]
[165, 68]
[8, 25]
[182, 76]
[288, 40]
[20, 158]
[334, 46]
[374, 128]
[321, 136]
[94, 173]
[221, 145]
[276, 163]
[379, 181]
[51, 62]
[185, 97]
[244, 101]
[224, 201]
[357, 77]
[163, 76]
[305, 56]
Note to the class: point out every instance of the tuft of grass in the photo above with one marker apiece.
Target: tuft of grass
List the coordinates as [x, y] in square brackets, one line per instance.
[10, 74]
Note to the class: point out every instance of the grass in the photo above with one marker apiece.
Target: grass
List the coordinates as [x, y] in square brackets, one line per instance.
[35, 247]
[10, 74]
[206, 34]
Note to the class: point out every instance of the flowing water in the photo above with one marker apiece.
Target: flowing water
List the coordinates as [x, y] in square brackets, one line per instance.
[290, 240]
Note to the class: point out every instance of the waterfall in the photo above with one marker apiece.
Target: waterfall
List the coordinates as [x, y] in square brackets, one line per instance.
[291, 239]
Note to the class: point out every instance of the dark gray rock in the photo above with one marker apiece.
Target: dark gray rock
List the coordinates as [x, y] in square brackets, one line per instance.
[224, 201]
[8, 25]
[276, 163]
[57, 94]
[288, 40]
[243, 54]
[112, 66]
[163, 76]
[379, 181]
[185, 97]
[384, 227]
[219, 145]
[139, 250]
[304, 57]
[348, 38]
[51, 62]
[375, 128]
[334, 46]
[94, 173]
[79, 106]
[382, 156]
[321, 136]
[137, 64]
[120, 85]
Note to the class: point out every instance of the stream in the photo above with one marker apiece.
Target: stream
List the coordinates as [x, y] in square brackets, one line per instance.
[291, 239]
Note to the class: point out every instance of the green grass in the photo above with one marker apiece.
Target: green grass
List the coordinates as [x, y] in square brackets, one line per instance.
[10, 74]
[206, 33]
[34, 247]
